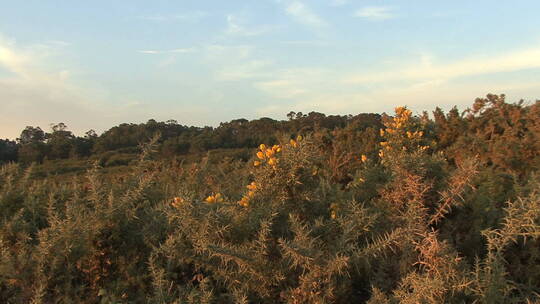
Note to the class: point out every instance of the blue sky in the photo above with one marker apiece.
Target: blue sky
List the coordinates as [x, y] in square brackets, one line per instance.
[95, 64]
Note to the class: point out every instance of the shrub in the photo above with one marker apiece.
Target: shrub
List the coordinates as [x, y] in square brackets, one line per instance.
[317, 218]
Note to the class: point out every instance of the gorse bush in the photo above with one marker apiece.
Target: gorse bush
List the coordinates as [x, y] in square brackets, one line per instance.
[408, 213]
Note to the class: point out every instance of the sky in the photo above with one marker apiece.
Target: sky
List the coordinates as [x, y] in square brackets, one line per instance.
[96, 64]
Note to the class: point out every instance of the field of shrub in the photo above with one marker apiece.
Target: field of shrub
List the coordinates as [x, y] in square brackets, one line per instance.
[422, 210]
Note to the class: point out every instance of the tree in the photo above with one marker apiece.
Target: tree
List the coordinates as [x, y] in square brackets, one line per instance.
[31, 135]
[291, 115]
[91, 134]
[60, 141]
[32, 145]
[8, 151]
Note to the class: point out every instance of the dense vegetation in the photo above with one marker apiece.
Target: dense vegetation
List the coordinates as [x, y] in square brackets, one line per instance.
[122, 143]
[316, 209]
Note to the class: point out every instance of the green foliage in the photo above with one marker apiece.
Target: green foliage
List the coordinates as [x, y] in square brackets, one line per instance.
[8, 151]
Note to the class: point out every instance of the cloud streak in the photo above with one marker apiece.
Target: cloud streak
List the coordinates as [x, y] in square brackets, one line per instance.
[375, 13]
[41, 95]
[417, 85]
[303, 14]
[472, 66]
[12, 61]
[193, 16]
[173, 51]
[235, 27]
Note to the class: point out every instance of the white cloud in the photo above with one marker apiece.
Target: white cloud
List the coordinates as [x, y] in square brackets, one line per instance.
[234, 62]
[39, 89]
[236, 27]
[12, 61]
[375, 12]
[477, 65]
[173, 51]
[310, 43]
[149, 52]
[193, 16]
[38, 93]
[303, 14]
[418, 96]
[293, 82]
[421, 85]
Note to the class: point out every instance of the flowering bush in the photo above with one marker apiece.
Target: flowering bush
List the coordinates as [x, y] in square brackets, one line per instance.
[366, 216]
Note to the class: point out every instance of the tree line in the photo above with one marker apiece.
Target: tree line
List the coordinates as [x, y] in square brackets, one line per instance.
[36, 145]
[498, 132]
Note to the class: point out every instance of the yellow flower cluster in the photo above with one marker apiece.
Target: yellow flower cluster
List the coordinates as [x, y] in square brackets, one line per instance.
[363, 158]
[402, 117]
[216, 198]
[244, 202]
[294, 143]
[177, 202]
[267, 155]
[415, 134]
[398, 126]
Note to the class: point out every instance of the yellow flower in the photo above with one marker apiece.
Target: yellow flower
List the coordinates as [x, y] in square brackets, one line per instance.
[217, 198]
[256, 163]
[407, 114]
[332, 214]
[382, 132]
[364, 158]
[409, 134]
[269, 153]
[244, 202]
[299, 138]
[272, 161]
[262, 147]
[252, 186]
[293, 143]
[381, 153]
[275, 148]
[260, 155]
[177, 202]
[384, 143]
